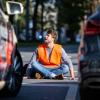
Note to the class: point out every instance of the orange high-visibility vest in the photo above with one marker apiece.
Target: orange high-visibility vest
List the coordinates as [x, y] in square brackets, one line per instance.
[55, 56]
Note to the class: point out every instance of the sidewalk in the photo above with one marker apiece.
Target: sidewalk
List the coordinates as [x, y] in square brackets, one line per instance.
[70, 48]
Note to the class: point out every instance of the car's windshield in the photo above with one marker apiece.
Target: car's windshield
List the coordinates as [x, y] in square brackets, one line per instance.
[92, 43]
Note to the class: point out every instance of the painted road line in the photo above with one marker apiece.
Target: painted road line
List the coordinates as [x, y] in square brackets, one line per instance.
[55, 85]
[71, 95]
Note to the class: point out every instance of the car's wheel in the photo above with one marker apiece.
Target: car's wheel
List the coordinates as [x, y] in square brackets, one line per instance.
[15, 76]
[85, 93]
[82, 92]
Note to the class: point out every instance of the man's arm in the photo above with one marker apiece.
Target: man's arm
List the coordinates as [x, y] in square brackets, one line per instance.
[68, 61]
[72, 73]
[33, 58]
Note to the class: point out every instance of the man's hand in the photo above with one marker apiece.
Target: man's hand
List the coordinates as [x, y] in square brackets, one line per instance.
[72, 78]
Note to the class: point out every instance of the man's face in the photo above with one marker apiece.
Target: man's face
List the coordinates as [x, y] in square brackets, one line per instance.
[48, 38]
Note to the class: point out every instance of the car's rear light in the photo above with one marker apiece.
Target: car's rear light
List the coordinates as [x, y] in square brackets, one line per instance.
[92, 28]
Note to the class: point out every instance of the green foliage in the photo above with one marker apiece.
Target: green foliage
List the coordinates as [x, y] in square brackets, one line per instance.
[71, 12]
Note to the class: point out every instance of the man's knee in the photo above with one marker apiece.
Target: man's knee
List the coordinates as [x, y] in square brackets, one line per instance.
[65, 68]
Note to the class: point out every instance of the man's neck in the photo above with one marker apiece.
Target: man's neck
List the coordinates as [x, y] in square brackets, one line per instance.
[50, 45]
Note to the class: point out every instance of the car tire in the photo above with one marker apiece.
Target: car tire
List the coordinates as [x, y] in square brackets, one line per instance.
[84, 93]
[15, 76]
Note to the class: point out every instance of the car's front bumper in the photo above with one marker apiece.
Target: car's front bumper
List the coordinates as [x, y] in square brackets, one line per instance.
[90, 80]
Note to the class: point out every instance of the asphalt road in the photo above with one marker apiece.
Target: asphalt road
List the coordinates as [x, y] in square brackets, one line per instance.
[48, 89]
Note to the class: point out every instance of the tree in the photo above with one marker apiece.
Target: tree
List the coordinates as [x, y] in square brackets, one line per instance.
[38, 17]
[72, 12]
[35, 15]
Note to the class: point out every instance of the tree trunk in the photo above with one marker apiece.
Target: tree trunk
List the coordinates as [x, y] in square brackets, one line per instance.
[35, 18]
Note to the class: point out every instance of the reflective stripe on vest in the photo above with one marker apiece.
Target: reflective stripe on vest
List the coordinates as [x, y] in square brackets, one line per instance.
[55, 57]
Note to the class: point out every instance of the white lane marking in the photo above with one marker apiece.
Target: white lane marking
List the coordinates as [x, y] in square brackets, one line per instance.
[37, 84]
[49, 82]
[72, 92]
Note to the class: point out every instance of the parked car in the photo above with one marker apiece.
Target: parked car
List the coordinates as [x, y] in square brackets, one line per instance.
[89, 56]
[11, 65]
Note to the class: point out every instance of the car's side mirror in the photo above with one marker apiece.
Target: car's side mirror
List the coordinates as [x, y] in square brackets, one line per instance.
[14, 7]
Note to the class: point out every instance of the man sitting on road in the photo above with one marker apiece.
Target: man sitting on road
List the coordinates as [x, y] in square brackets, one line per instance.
[50, 59]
